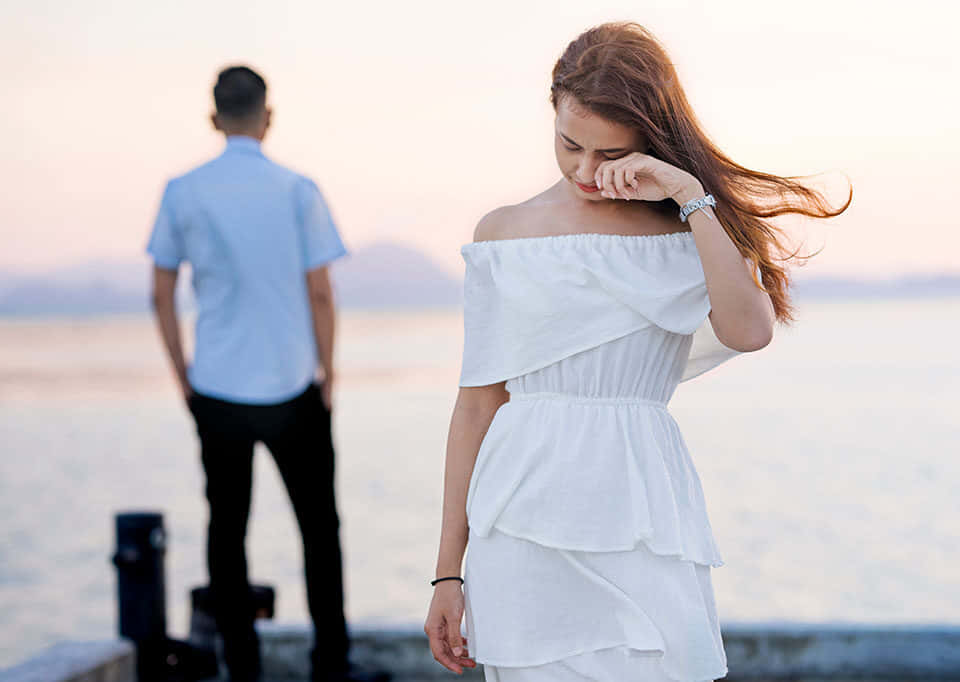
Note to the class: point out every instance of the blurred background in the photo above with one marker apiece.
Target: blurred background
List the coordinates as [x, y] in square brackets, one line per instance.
[828, 460]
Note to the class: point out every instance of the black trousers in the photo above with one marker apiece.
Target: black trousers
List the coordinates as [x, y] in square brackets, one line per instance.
[297, 434]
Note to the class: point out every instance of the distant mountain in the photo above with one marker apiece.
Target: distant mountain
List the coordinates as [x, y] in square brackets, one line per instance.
[383, 275]
[390, 275]
[38, 296]
[906, 286]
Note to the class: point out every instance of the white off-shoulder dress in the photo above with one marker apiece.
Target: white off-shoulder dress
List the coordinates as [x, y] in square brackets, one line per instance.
[589, 549]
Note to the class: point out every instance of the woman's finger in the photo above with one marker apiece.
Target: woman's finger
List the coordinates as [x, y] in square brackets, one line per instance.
[454, 640]
[462, 661]
[609, 190]
[605, 179]
[619, 182]
[465, 657]
[598, 175]
[440, 651]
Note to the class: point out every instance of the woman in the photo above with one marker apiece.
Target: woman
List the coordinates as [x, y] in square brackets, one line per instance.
[585, 306]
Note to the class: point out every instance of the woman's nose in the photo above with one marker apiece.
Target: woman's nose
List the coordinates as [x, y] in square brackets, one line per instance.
[587, 169]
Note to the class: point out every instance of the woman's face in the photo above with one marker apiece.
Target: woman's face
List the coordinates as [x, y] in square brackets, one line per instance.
[584, 140]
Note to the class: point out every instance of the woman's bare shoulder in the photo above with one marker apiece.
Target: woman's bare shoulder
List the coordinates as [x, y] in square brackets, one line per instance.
[514, 220]
[497, 224]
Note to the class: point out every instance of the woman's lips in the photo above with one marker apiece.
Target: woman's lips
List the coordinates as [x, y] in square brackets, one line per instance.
[590, 189]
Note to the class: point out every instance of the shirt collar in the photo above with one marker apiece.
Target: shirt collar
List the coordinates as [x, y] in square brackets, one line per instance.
[242, 143]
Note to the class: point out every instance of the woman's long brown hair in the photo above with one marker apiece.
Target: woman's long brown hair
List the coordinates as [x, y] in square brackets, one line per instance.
[620, 72]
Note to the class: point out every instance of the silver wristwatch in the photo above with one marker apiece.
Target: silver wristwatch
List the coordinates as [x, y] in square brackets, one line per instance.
[696, 205]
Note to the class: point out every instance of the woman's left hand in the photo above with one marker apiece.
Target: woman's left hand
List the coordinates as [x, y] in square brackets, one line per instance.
[642, 177]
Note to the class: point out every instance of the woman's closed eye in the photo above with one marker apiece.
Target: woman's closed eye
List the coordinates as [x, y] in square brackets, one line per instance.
[606, 157]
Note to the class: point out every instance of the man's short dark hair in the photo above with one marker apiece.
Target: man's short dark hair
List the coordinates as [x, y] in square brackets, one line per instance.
[240, 92]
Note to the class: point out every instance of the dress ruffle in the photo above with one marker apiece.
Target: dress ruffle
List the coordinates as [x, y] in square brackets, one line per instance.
[613, 663]
[532, 301]
[590, 475]
[570, 603]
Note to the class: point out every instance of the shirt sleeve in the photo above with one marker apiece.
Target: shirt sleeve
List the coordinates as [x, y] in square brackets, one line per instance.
[321, 240]
[166, 241]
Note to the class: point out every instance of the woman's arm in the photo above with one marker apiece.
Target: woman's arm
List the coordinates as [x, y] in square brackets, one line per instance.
[472, 414]
[741, 313]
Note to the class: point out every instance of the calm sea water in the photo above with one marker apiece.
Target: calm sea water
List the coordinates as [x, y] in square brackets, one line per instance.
[829, 461]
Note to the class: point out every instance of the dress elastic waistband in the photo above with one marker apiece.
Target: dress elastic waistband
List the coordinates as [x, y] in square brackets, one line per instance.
[590, 400]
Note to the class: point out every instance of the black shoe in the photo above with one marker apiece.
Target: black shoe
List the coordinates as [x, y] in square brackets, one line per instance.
[353, 673]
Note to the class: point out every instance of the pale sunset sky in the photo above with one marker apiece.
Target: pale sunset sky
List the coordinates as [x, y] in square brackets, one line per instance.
[417, 118]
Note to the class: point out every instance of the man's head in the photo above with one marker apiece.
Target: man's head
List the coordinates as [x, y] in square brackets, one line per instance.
[241, 99]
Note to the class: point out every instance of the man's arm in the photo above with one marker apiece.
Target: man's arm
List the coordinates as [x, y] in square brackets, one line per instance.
[165, 310]
[324, 317]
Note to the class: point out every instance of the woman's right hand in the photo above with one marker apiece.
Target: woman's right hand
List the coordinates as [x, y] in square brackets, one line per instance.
[443, 627]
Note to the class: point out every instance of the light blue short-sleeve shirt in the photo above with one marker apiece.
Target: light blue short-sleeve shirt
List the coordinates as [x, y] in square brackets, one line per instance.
[250, 230]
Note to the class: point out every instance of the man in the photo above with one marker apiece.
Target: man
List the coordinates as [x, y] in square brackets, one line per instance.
[259, 239]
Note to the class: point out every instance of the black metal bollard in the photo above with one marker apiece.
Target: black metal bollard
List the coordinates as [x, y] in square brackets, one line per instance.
[142, 603]
[142, 606]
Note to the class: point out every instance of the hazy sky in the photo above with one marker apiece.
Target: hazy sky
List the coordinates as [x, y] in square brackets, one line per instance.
[416, 118]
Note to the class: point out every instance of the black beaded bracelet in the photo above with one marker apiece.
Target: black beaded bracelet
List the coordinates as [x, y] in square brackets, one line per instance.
[451, 577]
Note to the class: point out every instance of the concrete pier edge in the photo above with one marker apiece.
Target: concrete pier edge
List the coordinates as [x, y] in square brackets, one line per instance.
[755, 651]
[101, 661]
